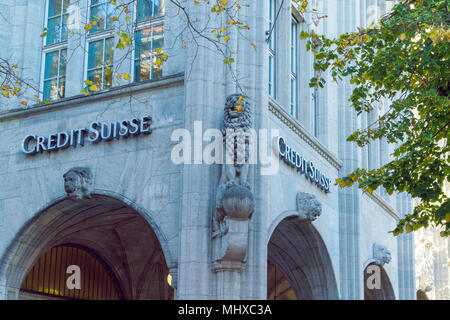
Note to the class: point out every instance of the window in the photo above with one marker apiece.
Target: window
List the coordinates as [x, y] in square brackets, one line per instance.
[100, 62]
[55, 74]
[149, 40]
[272, 48]
[147, 9]
[102, 11]
[57, 21]
[314, 100]
[293, 73]
[55, 51]
[147, 64]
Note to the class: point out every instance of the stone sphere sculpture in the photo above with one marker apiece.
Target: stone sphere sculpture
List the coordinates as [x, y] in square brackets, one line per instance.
[238, 202]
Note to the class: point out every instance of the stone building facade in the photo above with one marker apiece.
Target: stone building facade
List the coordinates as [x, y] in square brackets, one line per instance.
[153, 227]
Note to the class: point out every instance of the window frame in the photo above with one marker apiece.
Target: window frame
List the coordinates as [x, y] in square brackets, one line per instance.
[50, 48]
[97, 37]
[90, 5]
[58, 76]
[93, 37]
[139, 26]
[314, 100]
[272, 78]
[294, 65]
[61, 15]
[137, 22]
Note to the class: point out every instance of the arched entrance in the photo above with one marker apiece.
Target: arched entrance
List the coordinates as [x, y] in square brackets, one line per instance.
[117, 250]
[89, 278]
[376, 283]
[299, 266]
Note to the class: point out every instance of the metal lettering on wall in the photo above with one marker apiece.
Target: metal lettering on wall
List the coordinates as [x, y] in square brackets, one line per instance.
[95, 133]
[294, 159]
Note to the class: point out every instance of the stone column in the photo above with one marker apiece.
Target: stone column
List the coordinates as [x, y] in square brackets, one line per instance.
[349, 198]
[204, 87]
[405, 254]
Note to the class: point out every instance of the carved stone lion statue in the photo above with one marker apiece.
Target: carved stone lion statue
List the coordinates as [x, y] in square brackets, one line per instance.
[78, 183]
[236, 123]
[308, 205]
[381, 254]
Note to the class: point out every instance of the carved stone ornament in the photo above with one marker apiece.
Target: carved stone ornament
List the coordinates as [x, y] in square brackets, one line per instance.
[78, 183]
[381, 254]
[235, 202]
[308, 206]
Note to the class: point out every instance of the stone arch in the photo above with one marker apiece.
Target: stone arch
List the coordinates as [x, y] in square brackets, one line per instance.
[385, 290]
[298, 251]
[121, 232]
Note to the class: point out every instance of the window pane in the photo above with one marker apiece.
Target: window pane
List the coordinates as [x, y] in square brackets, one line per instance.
[107, 81]
[142, 70]
[95, 55]
[100, 12]
[109, 53]
[64, 31]
[271, 21]
[63, 62]
[54, 8]
[51, 65]
[294, 47]
[158, 37]
[110, 14]
[292, 92]
[144, 9]
[143, 43]
[54, 28]
[157, 69]
[270, 75]
[158, 8]
[62, 87]
[50, 90]
[293, 97]
[138, 72]
[96, 77]
[66, 5]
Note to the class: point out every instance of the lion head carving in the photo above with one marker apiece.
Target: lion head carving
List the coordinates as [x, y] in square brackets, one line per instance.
[78, 183]
[381, 254]
[237, 113]
[308, 205]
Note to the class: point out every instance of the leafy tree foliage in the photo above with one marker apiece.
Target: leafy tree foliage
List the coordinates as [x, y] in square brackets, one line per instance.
[404, 59]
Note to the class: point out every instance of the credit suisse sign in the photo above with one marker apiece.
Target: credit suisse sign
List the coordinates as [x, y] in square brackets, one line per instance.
[95, 132]
[302, 166]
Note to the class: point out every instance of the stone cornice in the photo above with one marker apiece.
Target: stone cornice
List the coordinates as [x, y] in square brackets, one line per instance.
[74, 101]
[299, 130]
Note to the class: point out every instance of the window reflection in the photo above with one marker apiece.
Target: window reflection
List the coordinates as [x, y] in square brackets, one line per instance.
[147, 9]
[57, 21]
[148, 41]
[100, 59]
[102, 11]
[54, 74]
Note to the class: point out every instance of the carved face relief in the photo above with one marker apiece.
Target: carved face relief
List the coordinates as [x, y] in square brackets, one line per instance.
[78, 183]
[308, 205]
[381, 254]
[72, 182]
